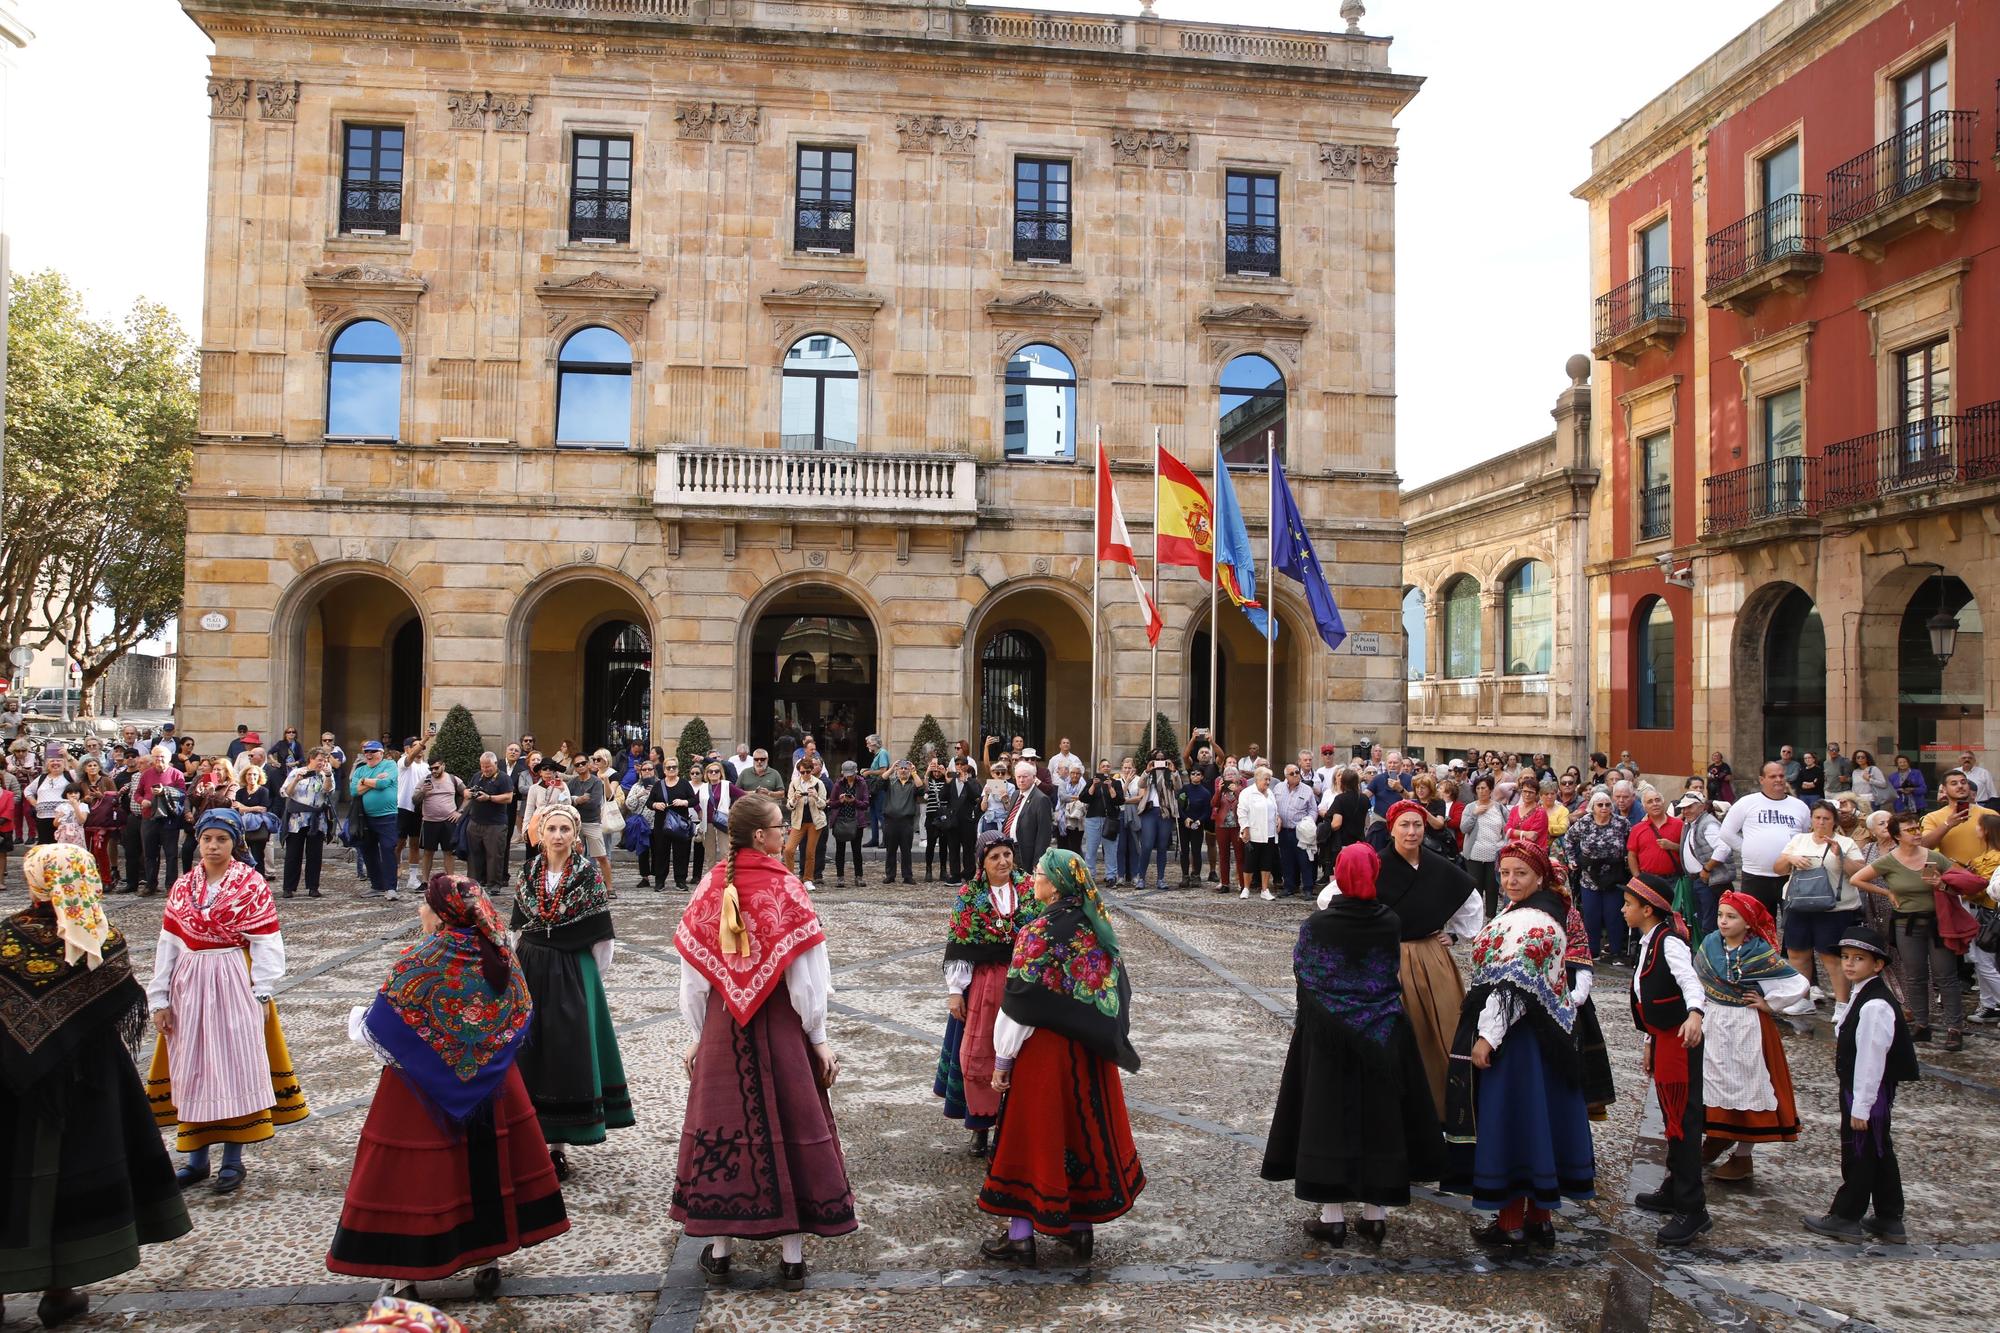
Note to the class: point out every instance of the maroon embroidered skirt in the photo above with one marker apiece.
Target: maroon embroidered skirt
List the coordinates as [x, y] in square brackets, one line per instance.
[1065, 1151]
[760, 1155]
[425, 1201]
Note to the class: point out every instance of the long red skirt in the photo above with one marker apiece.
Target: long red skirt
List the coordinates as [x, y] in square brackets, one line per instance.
[1065, 1151]
[425, 1201]
[975, 1048]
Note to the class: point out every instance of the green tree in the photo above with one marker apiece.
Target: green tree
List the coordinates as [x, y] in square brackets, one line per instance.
[1168, 741]
[929, 736]
[93, 534]
[458, 743]
[695, 744]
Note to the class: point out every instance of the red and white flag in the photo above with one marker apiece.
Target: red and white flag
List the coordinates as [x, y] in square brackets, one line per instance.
[1114, 543]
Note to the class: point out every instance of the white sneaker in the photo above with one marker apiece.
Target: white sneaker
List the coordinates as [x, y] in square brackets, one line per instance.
[1265, 894]
[1817, 994]
[807, 886]
[390, 895]
[1246, 892]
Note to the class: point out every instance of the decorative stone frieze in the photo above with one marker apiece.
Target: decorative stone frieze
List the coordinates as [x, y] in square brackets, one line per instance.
[595, 298]
[731, 122]
[1168, 149]
[276, 101]
[1375, 164]
[846, 311]
[340, 292]
[227, 98]
[937, 134]
[468, 108]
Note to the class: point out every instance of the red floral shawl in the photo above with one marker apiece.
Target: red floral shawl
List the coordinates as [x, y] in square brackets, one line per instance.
[775, 913]
[242, 907]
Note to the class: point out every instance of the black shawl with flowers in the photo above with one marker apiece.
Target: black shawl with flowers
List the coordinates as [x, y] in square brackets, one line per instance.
[1067, 974]
[979, 931]
[49, 1007]
[576, 916]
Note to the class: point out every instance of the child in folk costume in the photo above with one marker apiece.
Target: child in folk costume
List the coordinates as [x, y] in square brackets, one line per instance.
[1746, 1083]
[1354, 1121]
[1667, 1005]
[1064, 1159]
[1873, 1053]
[978, 949]
[84, 1180]
[451, 1122]
[1517, 1132]
[759, 1154]
[221, 1070]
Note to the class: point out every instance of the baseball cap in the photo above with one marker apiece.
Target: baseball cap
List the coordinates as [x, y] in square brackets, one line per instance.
[1690, 798]
[1326, 749]
[366, 746]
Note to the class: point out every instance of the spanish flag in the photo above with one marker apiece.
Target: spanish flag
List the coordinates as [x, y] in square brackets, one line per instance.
[1187, 519]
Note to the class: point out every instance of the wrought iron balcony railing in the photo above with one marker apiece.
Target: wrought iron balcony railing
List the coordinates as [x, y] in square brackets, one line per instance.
[371, 205]
[823, 224]
[1252, 249]
[1658, 293]
[1784, 228]
[1916, 455]
[1656, 512]
[600, 215]
[1041, 236]
[1780, 488]
[1937, 148]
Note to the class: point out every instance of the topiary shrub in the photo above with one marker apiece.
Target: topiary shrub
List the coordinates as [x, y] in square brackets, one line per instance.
[695, 744]
[930, 737]
[1168, 741]
[458, 743]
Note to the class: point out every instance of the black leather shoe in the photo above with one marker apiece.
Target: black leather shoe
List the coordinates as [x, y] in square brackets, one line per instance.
[1327, 1233]
[1891, 1232]
[1840, 1228]
[714, 1271]
[486, 1282]
[61, 1305]
[792, 1277]
[560, 1161]
[1541, 1233]
[1656, 1201]
[1494, 1234]
[1082, 1244]
[1021, 1252]
[979, 1143]
[185, 1176]
[1682, 1228]
[1372, 1230]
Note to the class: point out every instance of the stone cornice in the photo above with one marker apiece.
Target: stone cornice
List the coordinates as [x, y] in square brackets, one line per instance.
[595, 298]
[824, 297]
[1253, 318]
[1041, 309]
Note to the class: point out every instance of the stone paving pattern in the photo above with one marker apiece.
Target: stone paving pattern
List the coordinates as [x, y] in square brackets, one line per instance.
[1210, 1246]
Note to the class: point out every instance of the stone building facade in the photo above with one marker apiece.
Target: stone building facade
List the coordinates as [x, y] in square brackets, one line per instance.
[1496, 610]
[601, 365]
[1799, 416]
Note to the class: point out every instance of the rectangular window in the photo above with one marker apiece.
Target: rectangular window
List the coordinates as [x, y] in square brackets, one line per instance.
[1778, 181]
[1924, 406]
[1923, 92]
[1783, 418]
[1778, 173]
[1655, 266]
[371, 180]
[600, 193]
[1252, 224]
[824, 221]
[1041, 211]
[1656, 487]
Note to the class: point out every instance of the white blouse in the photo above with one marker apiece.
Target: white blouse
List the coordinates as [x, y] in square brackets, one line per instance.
[808, 981]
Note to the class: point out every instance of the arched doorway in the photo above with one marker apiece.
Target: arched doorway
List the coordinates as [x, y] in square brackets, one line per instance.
[1794, 678]
[587, 648]
[1940, 705]
[356, 663]
[1030, 671]
[813, 669]
[1239, 694]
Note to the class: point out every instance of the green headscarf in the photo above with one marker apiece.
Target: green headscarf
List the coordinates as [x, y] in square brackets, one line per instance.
[1076, 888]
[1067, 975]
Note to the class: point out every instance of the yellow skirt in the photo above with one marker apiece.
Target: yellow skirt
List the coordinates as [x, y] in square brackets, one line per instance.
[1433, 994]
[291, 1102]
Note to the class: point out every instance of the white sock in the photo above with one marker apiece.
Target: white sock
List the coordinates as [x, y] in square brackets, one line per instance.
[1330, 1212]
[1743, 1149]
[1374, 1213]
[722, 1246]
[793, 1248]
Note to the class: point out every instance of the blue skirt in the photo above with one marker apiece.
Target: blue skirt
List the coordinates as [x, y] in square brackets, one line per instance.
[950, 1081]
[1532, 1136]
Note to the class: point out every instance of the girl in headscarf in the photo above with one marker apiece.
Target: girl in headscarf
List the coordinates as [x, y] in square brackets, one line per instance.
[571, 1065]
[84, 1179]
[978, 948]
[1516, 1129]
[759, 1156]
[1746, 1083]
[1355, 1121]
[451, 1122]
[1064, 1159]
[221, 1070]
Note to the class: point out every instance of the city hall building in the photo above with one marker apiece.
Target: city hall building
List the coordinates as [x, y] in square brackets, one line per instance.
[597, 364]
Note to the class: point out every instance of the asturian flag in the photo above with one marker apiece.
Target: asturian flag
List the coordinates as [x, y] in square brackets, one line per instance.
[1235, 562]
[1114, 543]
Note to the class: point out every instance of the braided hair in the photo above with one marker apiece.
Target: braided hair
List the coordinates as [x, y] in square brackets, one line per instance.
[747, 814]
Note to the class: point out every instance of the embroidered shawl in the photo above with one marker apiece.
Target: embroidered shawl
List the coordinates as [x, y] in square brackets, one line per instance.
[576, 915]
[773, 921]
[1730, 976]
[66, 877]
[451, 1033]
[48, 1005]
[241, 907]
[1067, 974]
[980, 932]
[1347, 962]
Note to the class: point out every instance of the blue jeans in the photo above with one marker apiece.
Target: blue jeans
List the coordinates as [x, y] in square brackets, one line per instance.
[1710, 896]
[377, 845]
[875, 804]
[1604, 920]
[1129, 863]
[1094, 840]
[1292, 861]
[1154, 835]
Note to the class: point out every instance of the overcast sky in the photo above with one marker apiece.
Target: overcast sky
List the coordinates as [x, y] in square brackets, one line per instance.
[107, 157]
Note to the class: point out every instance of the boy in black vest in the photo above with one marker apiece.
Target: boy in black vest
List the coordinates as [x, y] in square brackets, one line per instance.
[1667, 1002]
[1873, 1054]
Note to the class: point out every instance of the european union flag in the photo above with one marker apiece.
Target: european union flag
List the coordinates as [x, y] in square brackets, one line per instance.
[1235, 560]
[1296, 559]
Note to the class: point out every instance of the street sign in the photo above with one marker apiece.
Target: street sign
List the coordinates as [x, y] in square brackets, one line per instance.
[21, 655]
[1366, 643]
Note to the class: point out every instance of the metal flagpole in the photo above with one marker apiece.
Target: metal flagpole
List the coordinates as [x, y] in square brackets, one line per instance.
[1096, 550]
[1153, 694]
[1214, 626]
[1270, 591]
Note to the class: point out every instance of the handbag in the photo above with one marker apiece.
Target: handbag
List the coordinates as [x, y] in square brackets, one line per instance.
[1988, 937]
[1811, 889]
[674, 824]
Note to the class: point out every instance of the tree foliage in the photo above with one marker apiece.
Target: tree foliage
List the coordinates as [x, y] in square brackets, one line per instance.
[695, 744]
[458, 743]
[93, 533]
[1167, 740]
[929, 740]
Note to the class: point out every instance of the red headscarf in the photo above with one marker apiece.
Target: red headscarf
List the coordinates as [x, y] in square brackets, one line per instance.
[1355, 871]
[1406, 807]
[1538, 861]
[1754, 913]
[741, 934]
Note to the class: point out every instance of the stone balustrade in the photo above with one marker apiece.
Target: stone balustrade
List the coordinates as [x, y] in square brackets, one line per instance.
[922, 489]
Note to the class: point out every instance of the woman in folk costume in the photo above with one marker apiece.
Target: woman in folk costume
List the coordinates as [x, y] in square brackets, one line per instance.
[571, 1064]
[1746, 1082]
[451, 1171]
[84, 1180]
[1435, 904]
[1355, 1121]
[1064, 1159]
[1580, 970]
[1516, 1129]
[978, 949]
[760, 1156]
[221, 1070]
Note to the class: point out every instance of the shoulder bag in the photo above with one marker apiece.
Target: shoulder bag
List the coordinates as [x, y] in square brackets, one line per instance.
[1812, 889]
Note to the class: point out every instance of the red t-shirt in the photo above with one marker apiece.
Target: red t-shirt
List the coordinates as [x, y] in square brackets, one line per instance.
[1653, 858]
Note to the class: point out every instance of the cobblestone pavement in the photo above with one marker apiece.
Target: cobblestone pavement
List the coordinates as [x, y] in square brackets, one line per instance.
[1209, 1246]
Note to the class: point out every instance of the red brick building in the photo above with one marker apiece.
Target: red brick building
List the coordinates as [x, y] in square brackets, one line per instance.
[1797, 292]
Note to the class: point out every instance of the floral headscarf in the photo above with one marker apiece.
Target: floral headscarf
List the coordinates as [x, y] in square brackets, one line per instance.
[1067, 973]
[579, 895]
[393, 1312]
[65, 876]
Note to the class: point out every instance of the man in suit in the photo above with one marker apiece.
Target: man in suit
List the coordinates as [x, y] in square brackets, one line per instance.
[1031, 818]
[962, 793]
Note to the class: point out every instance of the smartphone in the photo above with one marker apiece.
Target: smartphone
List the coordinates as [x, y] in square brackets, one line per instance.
[1963, 806]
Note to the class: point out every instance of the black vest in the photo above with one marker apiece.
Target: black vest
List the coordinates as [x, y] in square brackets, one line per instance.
[1658, 1005]
[1900, 1065]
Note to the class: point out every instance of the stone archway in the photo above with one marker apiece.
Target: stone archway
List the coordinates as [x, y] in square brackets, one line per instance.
[811, 664]
[1027, 669]
[582, 644]
[1240, 681]
[1778, 657]
[352, 658]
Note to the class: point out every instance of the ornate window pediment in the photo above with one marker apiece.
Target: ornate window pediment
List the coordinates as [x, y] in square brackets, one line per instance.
[1043, 316]
[1253, 327]
[344, 292]
[595, 298]
[831, 306]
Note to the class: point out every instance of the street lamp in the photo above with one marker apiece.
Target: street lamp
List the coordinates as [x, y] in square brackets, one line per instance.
[1943, 629]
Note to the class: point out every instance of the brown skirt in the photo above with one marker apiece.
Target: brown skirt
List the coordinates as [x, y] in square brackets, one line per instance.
[1433, 994]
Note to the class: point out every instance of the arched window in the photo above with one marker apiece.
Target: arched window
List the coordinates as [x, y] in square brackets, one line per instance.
[1461, 628]
[364, 382]
[617, 685]
[1040, 414]
[1527, 627]
[1653, 666]
[1013, 681]
[1253, 406]
[821, 404]
[1415, 634]
[1795, 676]
[594, 390]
